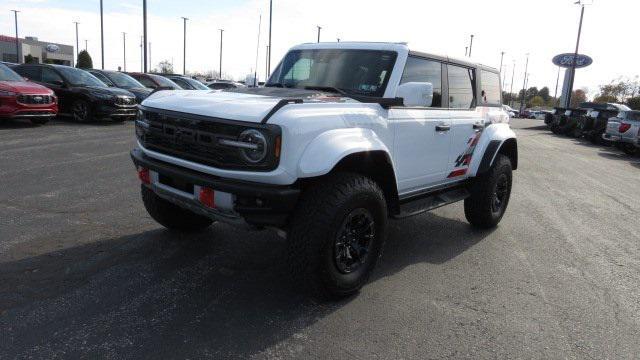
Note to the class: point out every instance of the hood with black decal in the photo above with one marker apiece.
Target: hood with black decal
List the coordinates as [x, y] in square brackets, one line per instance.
[242, 104]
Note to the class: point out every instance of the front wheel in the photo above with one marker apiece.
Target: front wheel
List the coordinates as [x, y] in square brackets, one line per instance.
[81, 111]
[490, 195]
[337, 234]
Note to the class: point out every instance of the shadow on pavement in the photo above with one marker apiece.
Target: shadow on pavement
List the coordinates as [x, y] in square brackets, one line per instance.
[16, 124]
[220, 293]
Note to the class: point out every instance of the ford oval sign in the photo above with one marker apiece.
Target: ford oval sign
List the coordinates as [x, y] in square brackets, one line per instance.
[566, 60]
[52, 48]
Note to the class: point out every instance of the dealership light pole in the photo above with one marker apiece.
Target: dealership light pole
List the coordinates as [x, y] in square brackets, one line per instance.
[269, 51]
[466, 51]
[15, 16]
[144, 34]
[524, 84]
[86, 46]
[184, 49]
[101, 35]
[124, 50]
[513, 74]
[220, 69]
[75, 22]
[141, 55]
[470, 45]
[319, 28]
[557, 81]
[575, 55]
[501, 75]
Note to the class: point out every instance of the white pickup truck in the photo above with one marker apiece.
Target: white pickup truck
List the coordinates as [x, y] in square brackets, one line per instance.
[342, 137]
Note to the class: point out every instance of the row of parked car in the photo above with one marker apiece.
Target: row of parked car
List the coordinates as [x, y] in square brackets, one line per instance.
[39, 92]
[606, 124]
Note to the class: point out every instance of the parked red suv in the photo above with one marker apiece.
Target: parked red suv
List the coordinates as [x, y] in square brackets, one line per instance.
[21, 99]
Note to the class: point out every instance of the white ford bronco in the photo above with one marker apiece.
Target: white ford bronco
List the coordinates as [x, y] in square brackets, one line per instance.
[341, 137]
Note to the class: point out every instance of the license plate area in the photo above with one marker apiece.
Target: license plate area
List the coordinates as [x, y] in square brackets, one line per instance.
[177, 184]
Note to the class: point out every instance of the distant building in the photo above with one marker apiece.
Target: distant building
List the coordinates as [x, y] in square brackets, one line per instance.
[42, 52]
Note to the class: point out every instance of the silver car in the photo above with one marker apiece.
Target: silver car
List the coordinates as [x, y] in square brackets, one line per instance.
[624, 130]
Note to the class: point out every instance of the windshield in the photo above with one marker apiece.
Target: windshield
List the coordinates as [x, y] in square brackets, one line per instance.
[7, 74]
[124, 81]
[79, 77]
[362, 72]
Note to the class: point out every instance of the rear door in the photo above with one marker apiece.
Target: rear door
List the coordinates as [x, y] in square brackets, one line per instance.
[466, 117]
[422, 134]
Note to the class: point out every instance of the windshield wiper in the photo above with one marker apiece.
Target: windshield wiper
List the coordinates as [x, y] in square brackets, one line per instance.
[327, 88]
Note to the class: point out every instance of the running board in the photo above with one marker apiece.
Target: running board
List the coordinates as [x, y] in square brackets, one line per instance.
[424, 203]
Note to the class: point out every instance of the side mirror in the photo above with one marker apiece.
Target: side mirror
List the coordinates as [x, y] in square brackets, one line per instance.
[58, 83]
[416, 94]
[25, 78]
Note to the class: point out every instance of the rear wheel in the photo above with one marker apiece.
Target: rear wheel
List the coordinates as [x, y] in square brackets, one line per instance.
[170, 215]
[336, 235]
[630, 149]
[490, 195]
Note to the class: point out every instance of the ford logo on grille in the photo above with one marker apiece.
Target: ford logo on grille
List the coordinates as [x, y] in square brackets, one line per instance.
[37, 99]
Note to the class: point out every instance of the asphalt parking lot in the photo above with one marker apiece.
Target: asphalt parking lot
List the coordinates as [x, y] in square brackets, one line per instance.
[85, 273]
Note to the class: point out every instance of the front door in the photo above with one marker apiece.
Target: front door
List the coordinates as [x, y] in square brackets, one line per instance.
[422, 134]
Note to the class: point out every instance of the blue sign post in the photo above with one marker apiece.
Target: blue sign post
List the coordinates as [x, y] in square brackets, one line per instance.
[567, 61]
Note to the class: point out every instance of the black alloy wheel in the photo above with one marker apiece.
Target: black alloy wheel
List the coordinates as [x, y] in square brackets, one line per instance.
[500, 194]
[80, 111]
[353, 240]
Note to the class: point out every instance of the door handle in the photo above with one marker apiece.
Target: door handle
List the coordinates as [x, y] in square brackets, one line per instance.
[442, 128]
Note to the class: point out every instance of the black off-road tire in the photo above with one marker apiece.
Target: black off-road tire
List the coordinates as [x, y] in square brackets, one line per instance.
[630, 149]
[172, 216]
[481, 209]
[316, 229]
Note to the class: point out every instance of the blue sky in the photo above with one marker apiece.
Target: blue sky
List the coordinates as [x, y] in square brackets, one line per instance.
[542, 28]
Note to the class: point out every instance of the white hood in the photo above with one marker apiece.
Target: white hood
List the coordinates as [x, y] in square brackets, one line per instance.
[226, 105]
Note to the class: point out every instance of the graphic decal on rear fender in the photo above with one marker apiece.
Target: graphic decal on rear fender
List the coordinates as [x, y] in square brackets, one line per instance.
[461, 165]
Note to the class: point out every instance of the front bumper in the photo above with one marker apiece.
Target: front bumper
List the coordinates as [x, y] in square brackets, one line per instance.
[104, 111]
[251, 203]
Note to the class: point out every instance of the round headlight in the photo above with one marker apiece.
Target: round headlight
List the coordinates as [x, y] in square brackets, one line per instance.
[258, 151]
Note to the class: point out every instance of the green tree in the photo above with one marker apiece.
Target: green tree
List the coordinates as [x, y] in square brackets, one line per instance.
[544, 94]
[603, 99]
[84, 60]
[537, 101]
[531, 93]
[29, 59]
[634, 103]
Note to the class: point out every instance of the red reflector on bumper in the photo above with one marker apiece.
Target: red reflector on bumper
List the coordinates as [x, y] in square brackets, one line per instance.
[143, 175]
[207, 197]
[457, 173]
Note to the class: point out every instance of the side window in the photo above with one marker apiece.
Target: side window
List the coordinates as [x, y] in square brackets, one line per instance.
[461, 82]
[183, 84]
[422, 70]
[30, 72]
[49, 76]
[490, 88]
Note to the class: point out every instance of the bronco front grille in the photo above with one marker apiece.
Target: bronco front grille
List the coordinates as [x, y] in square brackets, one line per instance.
[35, 99]
[197, 138]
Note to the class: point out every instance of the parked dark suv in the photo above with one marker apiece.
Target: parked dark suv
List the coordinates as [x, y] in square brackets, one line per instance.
[123, 81]
[81, 94]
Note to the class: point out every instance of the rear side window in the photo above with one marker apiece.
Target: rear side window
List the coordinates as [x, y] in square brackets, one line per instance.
[183, 84]
[461, 82]
[102, 78]
[490, 88]
[30, 72]
[423, 70]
